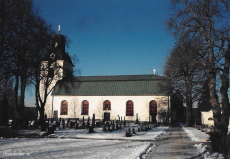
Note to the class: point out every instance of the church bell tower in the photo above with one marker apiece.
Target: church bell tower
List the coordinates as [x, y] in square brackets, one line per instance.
[62, 63]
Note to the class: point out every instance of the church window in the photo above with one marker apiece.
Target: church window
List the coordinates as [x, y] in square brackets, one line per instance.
[129, 108]
[153, 107]
[107, 105]
[64, 107]
[85, 108]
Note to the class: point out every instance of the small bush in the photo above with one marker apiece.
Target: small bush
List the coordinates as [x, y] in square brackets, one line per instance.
[7, 132]
[220, 143]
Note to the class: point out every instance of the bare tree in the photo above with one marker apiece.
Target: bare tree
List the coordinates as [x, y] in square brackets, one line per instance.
[208, 20]
[24, 39]
[183, 67]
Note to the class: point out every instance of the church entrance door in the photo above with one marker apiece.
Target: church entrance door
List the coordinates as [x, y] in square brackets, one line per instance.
[106, 116]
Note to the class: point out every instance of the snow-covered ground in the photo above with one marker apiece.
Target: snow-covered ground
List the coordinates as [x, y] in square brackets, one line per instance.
[71, 143]
[67, 143]
[197, 135]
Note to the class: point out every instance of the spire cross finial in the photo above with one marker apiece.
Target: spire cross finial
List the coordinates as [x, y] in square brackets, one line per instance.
[59, 29]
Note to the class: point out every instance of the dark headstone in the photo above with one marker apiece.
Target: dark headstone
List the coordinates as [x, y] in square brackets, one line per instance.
[104, 127]
[50, 130]
[71, 124]
[76, 125]
[93, 121]
[68, 122]
[54, 127]
[124, 122]
[63, 124]
[58, 124]
[88, 123]
[91, 129]
[128, 133]
[98, 124]
[83, 125]
[133, 131]
[113, 126]
[43, 126]
[47, 123]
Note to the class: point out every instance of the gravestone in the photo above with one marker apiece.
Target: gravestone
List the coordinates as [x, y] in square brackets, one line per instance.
[112, 125]
[83, 123]
[124, 122]
[76, 125]
[104, 127]
[63, 124]
[71, 123]
[88, 123]
[68, 123]
[58, 124]
[50, 130]
[93, 121]
[54, 127]
[116, 128]
[128, 133]
[91, 129]
[136, 122]
[133, 131]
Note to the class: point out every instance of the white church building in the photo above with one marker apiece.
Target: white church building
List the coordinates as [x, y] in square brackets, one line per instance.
[108, 97]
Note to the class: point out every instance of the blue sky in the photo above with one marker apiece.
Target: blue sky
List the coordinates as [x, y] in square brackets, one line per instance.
[113, 37]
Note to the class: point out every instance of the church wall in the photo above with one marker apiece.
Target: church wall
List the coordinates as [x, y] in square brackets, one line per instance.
[118, 106]
[205, 116]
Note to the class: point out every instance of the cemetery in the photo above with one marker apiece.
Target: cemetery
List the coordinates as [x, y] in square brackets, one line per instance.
[126, 139]
[88, 125]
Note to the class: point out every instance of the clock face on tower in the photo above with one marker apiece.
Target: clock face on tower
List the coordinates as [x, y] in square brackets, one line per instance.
[56, 44]
[52, 56]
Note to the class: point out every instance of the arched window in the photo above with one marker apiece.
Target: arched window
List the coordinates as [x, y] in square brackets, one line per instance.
[64, 107]
[129, 108]
[107, 105]
[153, 107]
[85, 108]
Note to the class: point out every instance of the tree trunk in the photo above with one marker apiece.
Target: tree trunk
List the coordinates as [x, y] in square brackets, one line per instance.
[214, 100]
[225, 110]
[5, 111]
[16, 96]
[42, 117]
[22, 95]
[188, 112]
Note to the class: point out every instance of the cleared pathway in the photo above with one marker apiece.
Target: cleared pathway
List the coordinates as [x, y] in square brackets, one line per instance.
[174, 144]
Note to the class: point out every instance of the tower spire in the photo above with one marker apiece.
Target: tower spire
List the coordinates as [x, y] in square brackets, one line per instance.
[59, 29]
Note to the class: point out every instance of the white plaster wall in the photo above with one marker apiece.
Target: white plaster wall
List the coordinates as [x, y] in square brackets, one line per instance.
[205, 116]
[118, 106]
